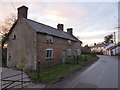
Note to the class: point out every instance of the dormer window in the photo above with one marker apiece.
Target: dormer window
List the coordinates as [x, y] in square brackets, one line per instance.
[49, 39]
[69, 42]
[14, 37]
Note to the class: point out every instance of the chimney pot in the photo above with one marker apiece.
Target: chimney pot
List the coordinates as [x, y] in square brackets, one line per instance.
[60, 27]
[22, 12]
[70, 31]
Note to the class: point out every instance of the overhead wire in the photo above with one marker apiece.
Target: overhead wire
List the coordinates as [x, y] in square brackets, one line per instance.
[13, 5]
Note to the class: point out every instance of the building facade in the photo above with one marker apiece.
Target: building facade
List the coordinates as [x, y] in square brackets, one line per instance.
[99, 49]
[31, 42]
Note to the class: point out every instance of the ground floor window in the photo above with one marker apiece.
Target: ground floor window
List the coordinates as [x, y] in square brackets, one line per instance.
[49, 53]
[69, 52]
[78, 52]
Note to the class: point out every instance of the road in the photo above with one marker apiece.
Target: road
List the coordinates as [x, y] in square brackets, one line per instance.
[102, 74]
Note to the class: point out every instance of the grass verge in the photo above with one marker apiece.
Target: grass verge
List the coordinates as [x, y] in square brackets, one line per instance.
[55, 73]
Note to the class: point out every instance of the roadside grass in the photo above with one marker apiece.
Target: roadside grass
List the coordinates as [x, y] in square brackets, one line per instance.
[57, 72]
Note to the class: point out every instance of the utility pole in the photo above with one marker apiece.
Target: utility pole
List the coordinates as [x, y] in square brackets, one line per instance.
[115, 42]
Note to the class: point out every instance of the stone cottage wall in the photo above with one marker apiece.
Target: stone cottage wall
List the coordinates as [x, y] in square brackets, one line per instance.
[22, 50]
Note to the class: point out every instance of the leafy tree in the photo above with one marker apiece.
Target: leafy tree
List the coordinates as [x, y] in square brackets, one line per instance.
[85, 51]
[95, 44]
[108, 38]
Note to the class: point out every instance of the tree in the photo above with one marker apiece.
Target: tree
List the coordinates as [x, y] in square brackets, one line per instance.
[5, 27]
[108, 38]
[7, 24]
[95, 44]
[85, 51]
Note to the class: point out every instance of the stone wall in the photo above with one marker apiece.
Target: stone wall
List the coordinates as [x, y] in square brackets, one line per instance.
[22, 49]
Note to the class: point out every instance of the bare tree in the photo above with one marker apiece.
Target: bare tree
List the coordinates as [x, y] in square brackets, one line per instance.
[5, 27]
[7, 24]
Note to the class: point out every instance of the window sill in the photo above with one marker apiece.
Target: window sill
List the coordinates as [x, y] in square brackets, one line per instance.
[49, 43]
[48, 58]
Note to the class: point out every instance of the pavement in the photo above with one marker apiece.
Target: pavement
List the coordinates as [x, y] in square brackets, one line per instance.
[6, 72]
[101, 74]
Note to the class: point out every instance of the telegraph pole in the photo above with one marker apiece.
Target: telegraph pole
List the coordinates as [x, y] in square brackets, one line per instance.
[115, 42]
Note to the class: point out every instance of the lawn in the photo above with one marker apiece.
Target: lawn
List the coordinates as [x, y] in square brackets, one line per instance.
[55, 73]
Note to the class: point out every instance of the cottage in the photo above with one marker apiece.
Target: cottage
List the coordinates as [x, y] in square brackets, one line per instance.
[99, 48]
[31, 42]
[113, 49]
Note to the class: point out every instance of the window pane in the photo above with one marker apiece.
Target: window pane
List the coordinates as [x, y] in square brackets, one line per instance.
[50, 53]
[47, 53]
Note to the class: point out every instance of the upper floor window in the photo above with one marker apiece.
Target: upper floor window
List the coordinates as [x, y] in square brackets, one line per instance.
[49, 53]
[49, 39]
[69, 42]
[14, 37]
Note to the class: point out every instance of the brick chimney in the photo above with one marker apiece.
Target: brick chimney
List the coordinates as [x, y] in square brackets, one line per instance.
[22, 12]
[70, 31]
[60, 27]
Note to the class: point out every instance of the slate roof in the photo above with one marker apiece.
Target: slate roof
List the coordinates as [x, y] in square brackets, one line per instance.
[42, 28]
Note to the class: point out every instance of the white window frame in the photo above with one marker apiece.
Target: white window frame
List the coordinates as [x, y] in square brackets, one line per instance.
[49, 56]
[49, 39]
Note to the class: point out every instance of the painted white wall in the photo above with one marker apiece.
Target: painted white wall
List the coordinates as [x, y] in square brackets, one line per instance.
[116, 50]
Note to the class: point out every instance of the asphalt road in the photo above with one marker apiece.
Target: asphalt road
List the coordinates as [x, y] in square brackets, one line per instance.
[101, 74]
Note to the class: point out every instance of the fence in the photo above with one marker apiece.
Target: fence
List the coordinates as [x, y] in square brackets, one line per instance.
[14, 79]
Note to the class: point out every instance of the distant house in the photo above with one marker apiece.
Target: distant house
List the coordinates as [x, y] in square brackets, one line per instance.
[113, 49]
[116, 49]
[31, 42]
[109, 49]
[99, 48]
[106, 49]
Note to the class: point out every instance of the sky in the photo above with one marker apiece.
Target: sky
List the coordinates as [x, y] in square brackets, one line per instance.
[91, 21]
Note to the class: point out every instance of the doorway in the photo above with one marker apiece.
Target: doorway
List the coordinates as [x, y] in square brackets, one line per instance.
[64, 57]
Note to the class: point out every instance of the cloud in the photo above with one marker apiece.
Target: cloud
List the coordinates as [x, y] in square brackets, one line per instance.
[91, 21]
[63, 11]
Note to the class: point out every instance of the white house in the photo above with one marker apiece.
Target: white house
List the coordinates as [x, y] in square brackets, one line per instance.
[99, 48]
[116, 50]
[109, 49]
[113, 49]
